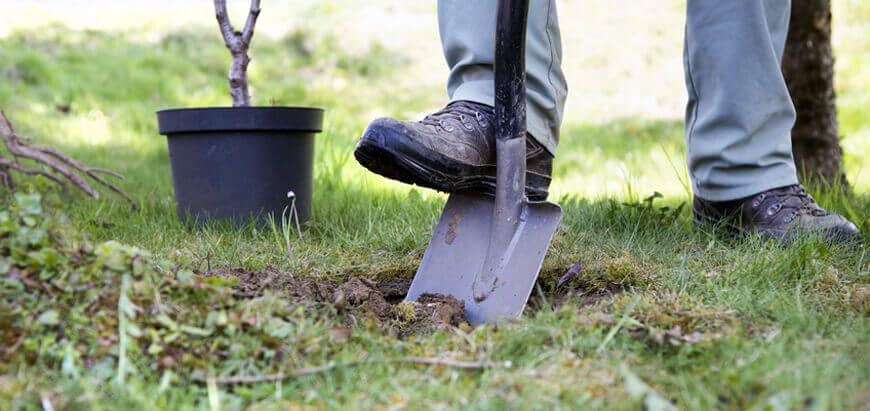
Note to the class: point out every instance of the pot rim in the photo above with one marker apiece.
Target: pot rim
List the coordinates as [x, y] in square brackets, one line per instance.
[256, 118]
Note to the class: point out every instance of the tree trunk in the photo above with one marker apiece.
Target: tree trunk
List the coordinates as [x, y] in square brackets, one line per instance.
[808, 67]
[238, 43]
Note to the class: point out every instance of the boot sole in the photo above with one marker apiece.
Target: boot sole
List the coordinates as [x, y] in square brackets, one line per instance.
[394, 159]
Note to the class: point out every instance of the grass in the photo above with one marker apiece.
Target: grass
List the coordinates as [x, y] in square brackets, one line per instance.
[760, 326]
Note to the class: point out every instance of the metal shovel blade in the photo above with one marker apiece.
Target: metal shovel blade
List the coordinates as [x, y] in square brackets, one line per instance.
[459, 246]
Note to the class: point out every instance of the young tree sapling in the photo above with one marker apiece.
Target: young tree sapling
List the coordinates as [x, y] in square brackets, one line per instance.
[238, 42]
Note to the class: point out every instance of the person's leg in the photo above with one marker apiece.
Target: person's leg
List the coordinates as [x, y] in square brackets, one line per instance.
[467, 31]
[739, 116]
[738, 124]
[454, 149]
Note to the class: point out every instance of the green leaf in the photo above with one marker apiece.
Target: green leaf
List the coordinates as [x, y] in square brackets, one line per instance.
[155, 349]
[133, 330]
[11, 286]
[112, 255]
[278, 328]
[7, 226]
[44, 258]
[185, 276]
[166, 380]
[31, 236]
[50, 317]
[69, 368]
[29, 204]
[196, 331]
[166, 321]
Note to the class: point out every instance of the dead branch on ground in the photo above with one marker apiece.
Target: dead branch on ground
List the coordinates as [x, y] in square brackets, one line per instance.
[302, 372]
[61, 168]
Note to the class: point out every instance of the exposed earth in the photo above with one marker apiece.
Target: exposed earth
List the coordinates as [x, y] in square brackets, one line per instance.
[357, 297]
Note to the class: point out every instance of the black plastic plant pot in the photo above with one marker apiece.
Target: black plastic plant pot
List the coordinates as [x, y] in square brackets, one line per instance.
[237, 163]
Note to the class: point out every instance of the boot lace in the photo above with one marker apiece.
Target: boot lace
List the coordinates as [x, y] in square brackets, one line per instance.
[457, 113]
[793, 199]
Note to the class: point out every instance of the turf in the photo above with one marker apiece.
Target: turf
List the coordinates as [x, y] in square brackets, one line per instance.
[659, 310]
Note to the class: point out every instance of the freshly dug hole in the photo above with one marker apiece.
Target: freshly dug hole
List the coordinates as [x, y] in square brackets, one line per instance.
[357, 297]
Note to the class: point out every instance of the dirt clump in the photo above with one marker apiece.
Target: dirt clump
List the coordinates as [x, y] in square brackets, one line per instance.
[361, 293]
[430, 312]
[442, 310]
[252, 284]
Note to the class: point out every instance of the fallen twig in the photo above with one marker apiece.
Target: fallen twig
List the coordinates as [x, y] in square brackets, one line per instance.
[61, 167]
[447, 362]
[302, 372]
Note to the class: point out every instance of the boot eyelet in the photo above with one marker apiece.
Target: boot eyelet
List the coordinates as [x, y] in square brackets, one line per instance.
[465, 124]
[445, 127]
[481, 119]
[774, 209]
[758, 200]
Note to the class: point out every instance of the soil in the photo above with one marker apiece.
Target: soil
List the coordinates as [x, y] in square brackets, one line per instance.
[357, 298]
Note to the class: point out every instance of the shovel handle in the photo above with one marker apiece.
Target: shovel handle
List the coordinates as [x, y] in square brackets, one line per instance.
[510, 143]
[510, 69]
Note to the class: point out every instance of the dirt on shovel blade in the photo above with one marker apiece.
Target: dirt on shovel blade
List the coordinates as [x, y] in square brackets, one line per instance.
[358, 298]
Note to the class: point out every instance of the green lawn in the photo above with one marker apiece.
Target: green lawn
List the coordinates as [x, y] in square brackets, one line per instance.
[760, 326]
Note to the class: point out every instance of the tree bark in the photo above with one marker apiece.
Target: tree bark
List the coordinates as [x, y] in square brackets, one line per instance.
[238, 42]
[808, 67]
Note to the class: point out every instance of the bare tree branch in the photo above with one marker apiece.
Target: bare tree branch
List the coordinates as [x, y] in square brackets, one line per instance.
[107, 172]
[13, 144]
[64, 167]
[226, 27]
[237, 43]
[11, 165]
[6, 179]
[248, 31]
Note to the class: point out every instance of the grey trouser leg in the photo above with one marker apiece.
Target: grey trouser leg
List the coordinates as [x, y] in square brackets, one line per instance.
[467, 30]
[739, 117]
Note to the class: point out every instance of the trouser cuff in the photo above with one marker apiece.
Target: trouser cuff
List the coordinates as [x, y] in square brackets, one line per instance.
[759, 181]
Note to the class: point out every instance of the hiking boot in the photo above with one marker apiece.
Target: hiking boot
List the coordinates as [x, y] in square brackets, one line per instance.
[783, 214]
[451, 150]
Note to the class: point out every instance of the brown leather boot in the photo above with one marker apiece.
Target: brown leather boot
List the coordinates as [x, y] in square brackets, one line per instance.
[450, 150]
[782, 214]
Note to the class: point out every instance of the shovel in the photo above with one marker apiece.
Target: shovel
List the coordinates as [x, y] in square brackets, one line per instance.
[488, 251]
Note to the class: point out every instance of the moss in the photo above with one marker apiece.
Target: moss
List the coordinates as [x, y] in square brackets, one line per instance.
[626, 271]
[859, 298]
[405, 311]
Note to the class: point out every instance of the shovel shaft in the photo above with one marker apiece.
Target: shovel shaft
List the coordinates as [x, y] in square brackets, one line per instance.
[510, 70]
[510, 133]
[510, 113]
